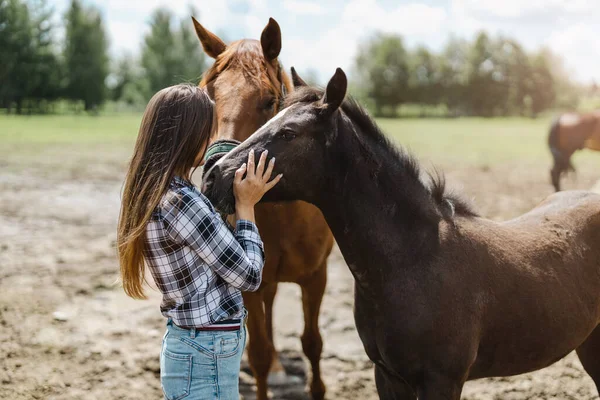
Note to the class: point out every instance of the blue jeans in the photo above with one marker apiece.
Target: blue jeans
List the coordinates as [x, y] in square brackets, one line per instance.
[199, 365]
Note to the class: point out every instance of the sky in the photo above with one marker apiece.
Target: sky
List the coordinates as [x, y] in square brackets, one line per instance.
[321, 35]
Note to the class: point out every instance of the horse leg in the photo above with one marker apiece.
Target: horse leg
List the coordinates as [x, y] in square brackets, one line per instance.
[312, 343]
[260, 348]
[440, 387]
[555, 176]
[589, 355]
[559, 167]
[276, 372]
[389, 388]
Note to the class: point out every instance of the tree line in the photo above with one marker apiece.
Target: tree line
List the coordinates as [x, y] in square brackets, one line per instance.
[490, 76]
[37, 68]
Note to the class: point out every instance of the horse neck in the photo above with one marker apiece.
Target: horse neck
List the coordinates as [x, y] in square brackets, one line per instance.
[380, 222]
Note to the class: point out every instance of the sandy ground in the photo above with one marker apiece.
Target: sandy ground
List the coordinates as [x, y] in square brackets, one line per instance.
[66, 331]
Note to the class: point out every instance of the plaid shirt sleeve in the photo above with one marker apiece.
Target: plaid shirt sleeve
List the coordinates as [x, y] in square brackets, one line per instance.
[238, 257]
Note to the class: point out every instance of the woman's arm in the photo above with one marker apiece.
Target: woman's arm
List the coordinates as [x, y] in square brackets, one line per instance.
[237, 257]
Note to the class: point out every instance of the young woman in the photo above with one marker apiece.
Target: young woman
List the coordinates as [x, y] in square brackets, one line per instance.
[198, 262]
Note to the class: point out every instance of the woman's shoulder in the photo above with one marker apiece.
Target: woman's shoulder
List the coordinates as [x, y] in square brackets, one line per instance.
[185, 199]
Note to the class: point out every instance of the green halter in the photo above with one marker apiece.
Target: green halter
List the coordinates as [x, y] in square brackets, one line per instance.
[221, 146]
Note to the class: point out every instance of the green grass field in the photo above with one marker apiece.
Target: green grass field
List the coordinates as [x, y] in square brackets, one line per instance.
[464, 141]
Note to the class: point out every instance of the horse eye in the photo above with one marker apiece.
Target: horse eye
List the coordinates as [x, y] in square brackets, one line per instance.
[288, 135]
[269, 104]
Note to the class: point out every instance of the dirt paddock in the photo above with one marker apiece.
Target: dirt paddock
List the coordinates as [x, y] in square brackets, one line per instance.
[66, 331]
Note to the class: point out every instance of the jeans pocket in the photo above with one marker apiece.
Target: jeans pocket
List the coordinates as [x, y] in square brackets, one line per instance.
[228, 343]
[175, 374]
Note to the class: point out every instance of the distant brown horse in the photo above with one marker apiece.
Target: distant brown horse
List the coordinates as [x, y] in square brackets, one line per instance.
[569, 133]
[442, 295]
[247, 84]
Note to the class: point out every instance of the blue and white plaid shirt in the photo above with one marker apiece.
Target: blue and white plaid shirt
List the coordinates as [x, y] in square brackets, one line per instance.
[197, 262]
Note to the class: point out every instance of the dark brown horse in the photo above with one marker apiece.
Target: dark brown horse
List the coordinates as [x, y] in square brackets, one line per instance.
[442, 295]
[247, 84]
[569, 133]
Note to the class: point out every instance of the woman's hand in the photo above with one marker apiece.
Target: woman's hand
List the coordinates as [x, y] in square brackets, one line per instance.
[249, 190]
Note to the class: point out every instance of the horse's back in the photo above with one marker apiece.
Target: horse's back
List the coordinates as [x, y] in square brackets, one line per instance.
[563, 229]
[565, 223]
[575, 131]
[572, 207]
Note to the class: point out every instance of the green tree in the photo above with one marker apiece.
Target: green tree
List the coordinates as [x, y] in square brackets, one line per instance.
[512, 64]
[85, 55]
[567, 92]
[170, 56]
[129, 84]
[122, 76]
[454, 69]
[191, 57]
[425, 77]
[158, 53]
[16, 53]
[485, 80]
[382, 68]
[541, 89]
[47, 74]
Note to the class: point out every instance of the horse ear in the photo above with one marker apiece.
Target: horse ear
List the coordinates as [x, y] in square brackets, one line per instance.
[270, 40]
[336, 91]
[211, 43]
[296, 80]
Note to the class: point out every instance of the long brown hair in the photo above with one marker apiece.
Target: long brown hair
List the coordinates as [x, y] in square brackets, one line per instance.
[176, 126]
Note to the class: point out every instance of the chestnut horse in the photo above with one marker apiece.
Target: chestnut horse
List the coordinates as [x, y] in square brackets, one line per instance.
[442, 295]
[247, 84]
[569, 133]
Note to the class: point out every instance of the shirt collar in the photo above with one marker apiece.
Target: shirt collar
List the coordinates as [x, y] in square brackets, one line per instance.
[180, 182]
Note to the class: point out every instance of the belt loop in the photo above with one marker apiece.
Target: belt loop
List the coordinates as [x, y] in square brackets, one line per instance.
[193, 332]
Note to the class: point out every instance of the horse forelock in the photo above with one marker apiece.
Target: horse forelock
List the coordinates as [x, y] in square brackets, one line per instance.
[247, 57]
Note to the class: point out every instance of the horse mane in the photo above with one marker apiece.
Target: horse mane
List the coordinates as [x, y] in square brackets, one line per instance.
[447, 202]
[247, 56]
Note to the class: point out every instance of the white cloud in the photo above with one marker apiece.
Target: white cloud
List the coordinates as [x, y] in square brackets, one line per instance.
[569, 27]
[580, 53]
[520, 8]
[304, 7]
[360, 18]
[407, 19]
